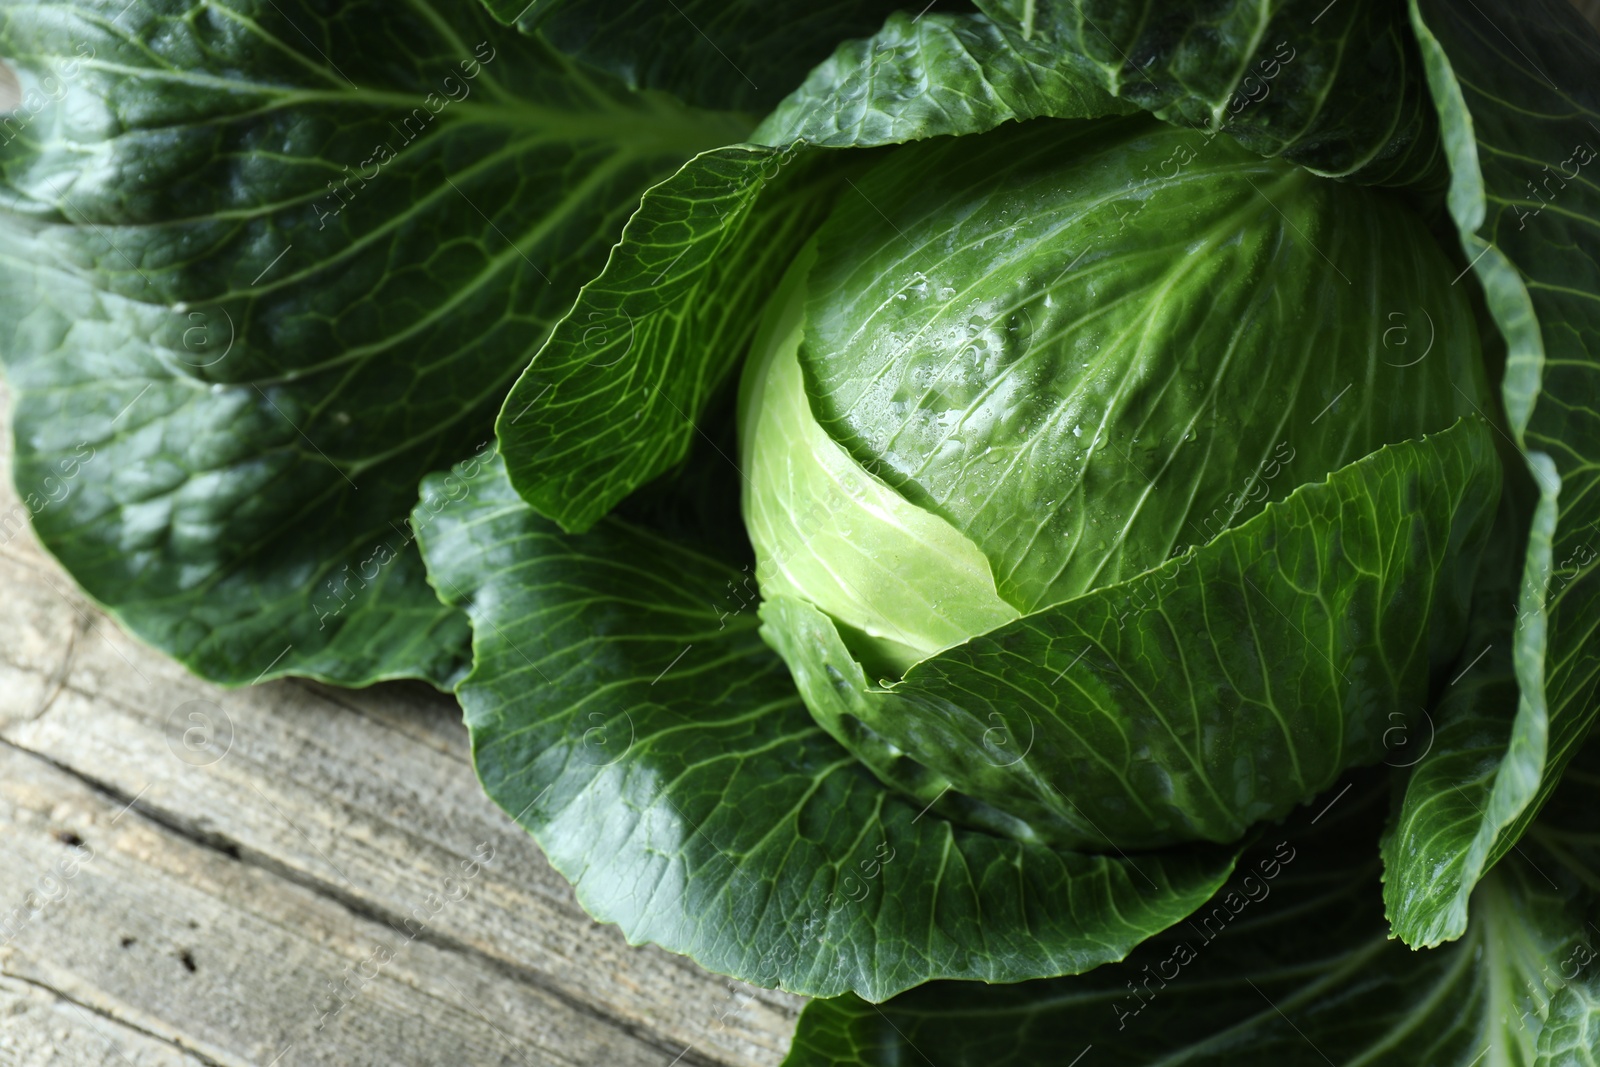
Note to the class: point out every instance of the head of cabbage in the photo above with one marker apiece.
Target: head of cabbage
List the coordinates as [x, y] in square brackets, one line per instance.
[1115, 487]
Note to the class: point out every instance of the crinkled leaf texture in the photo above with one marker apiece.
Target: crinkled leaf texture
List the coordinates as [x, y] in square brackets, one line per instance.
[264, 266]
[930, 74]
[1519, 100]
[1083, 355]
[1290, 966]
[625, 711]
[1088, 345]
[1217, 691]
[1334, 87]
[614, 398]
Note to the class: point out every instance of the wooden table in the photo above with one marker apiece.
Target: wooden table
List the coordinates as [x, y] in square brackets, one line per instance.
[300, 888]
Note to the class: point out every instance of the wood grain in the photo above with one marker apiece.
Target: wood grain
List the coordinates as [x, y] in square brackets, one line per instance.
[297, 871]
[39, 1026]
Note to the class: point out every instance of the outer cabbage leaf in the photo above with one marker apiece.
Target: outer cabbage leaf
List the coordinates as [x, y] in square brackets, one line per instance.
[623, 709]
[1219, 690]
[1519, 101]
[1288, 965]
[1334, 87]
[616, 396]
[1452, 811]
[736, 54]
[938, 73]
[265, 265]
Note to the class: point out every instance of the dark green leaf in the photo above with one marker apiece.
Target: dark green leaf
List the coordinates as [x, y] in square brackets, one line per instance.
[624, 710]
[934, 74]
[1476, 761]
[1334, 87]
[1519, 101]
[613, 398]
[264, 265]
[1288, 966]
[738, 54]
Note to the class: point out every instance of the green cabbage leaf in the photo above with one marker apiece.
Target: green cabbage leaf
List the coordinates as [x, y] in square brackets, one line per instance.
[264, 266]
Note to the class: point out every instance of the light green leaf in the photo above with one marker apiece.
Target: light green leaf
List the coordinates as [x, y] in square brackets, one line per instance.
[916, 585]
[1516, 91]
[1288, 966]
[1334, 87]
[265, 265]
[623, 709]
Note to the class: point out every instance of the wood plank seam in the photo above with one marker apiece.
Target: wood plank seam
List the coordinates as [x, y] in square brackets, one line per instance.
[140, 825]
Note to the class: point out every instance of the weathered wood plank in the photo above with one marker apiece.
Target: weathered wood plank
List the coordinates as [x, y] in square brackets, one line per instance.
[364, 798]
[39, 1027]
[179, 940]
